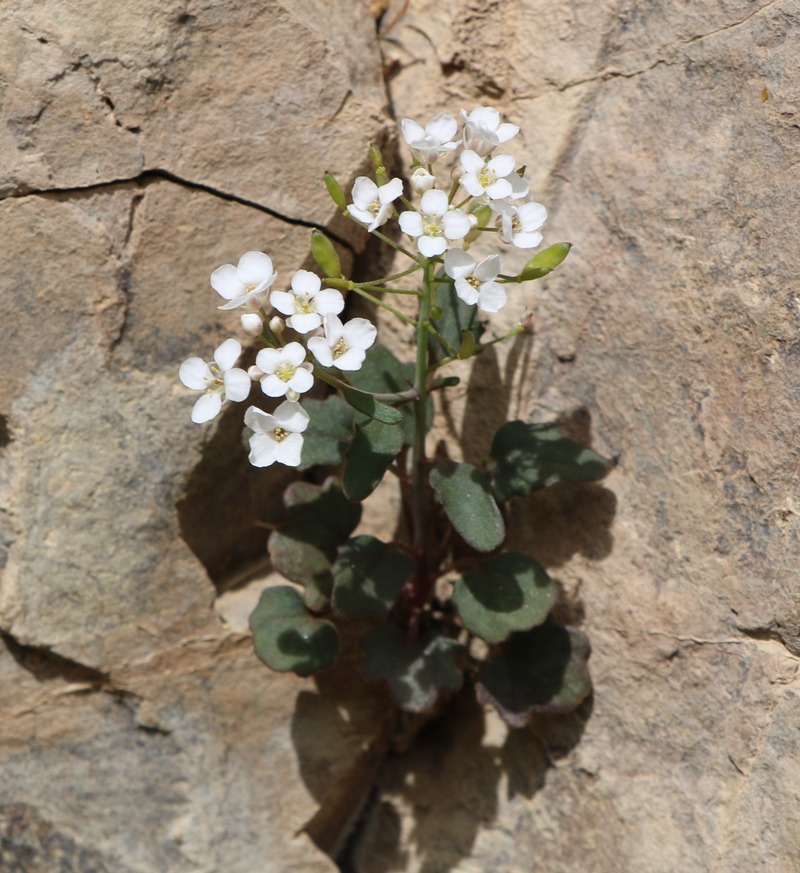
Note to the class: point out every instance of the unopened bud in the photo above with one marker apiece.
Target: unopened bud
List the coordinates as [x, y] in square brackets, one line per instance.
[276, 324]
[292, 395]
[421, 180]
[255, 373]
[527, 323]
[252, 324]
[377, 162]
[335, 190]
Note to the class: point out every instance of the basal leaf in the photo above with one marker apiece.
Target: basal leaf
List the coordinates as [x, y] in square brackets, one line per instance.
[531, 456]
[466, 494]
[543, 670]
[329, 432]
[369, 576]
[287, 638]
[374, 448]
[417, 669]
[507, 593]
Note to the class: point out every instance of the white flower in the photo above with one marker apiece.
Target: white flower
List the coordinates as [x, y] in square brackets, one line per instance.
[475, 283]
[276, 437]
[483, 130]
[434, 224]
[421, 180]
[344, 345]
[306, 304]
[487, 176]
[216, 378]
[429, 143]
[284, 370]
[245, 284]
[373, 205]
[519, 225]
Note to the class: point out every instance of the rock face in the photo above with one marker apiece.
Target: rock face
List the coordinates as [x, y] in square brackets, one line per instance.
[144, 148]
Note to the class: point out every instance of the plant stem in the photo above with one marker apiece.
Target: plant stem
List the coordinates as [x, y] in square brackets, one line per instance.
[419, 494]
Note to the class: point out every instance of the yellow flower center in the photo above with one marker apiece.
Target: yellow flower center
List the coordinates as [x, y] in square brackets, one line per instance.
[474, 282]
[431, 226]
[375, 207]
[304, 306]
[285, 372]
[339, 349]
[279, 434]
[249, 288]
[487, 177]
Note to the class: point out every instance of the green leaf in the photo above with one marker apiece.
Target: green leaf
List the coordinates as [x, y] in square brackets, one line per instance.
[369, 576]
[303, 547]
[417, 670]
[325, 255]
[540, 671]
[374, 448]
[456, 317]
[382, 373]
[532, 456]
[371, 407]
[466, 495]
[287, 638]
[329, 432]
[545, 262]
[507, 593]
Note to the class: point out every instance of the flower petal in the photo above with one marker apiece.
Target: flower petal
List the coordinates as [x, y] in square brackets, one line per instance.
[456, 224]
[442, 127]
[289, 450]
[351, 360]
[527, 240]
[318, 346]
[195, 373]
[359, 333]
[411, 223]
[258, 420]
[262, 450]
[506, 131]
[305, 282]
[291, 416]
[206, 408]
[255, 268]
[500, 189]
[471, 161]
[434, 202]
[492, 297]
[364, 192]
[502, 165]
[458, 264]
[360, 214]
[293, 353]
[412, 132]
[329, 302]
[227, 354]
[237, 385]
[274, 386]
[532, 215]
[431, 246]
[485, 115]
[489, 268]
[268, 360]
[283, 301]
[225, 281]
[303, 322]
[466, 291]
[390, 191]
[302, 380]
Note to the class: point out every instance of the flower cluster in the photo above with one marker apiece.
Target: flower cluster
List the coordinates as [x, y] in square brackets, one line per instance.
[484, 191]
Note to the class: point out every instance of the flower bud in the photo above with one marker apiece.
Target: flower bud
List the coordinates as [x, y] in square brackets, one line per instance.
[276, 324]
[421, 180]
[292, 396]
[335, 190]
[377, 161]
[325, 255]
[255, 373]
[252, 324]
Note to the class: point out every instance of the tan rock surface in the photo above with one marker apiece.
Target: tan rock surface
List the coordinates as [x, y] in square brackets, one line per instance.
[138, 732]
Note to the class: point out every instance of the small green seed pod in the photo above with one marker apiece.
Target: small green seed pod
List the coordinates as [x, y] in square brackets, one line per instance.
[324, 254]
[334, 189]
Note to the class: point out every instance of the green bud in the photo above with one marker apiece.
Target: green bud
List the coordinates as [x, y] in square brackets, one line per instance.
[468, 344]
[436, 312]
[545, 262]
[325, 255]
[377, 162]
[448, 382]
[334, 189]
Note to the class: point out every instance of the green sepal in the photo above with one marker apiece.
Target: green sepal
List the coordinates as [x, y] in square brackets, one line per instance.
[371, 407]
[507, 593]
[543, 263]
[416, 669]
[329, 433]
[540, 671]
[287, 638]
[325, 255]
[531, 456]
[303, 547]
[466, 495]
[369, 576]
[374, 448]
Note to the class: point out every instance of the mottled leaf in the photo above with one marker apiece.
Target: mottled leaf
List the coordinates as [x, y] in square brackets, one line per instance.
[466, 494]
[374, 448]
[417, 669]
[543, 670]
[369, 576]
[532, 456]
[329, 432]
[287, 638]
[507, 593]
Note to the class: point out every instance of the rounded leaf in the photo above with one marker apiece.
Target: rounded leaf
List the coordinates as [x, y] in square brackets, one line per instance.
[368, 577]
[466, 495]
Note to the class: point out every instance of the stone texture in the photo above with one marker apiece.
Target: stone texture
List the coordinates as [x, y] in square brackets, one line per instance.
[142, 149]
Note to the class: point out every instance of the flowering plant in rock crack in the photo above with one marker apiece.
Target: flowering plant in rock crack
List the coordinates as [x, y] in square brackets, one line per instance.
[444, 602]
